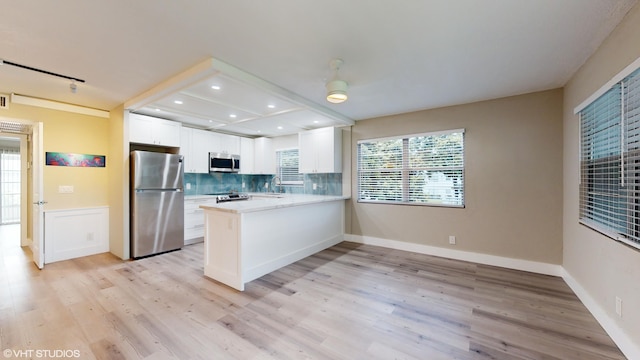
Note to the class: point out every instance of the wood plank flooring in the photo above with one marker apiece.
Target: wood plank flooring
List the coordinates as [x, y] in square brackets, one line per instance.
[348, 302]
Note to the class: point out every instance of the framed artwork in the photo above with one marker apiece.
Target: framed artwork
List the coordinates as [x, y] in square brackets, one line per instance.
[75, 160]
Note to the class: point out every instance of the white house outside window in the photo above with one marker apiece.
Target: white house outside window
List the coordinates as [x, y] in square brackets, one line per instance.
[420, 169]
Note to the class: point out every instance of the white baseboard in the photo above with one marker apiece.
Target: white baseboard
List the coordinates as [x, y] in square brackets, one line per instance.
[505, 262]
[626, 344]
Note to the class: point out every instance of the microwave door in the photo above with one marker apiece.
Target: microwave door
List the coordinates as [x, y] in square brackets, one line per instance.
[221, 164]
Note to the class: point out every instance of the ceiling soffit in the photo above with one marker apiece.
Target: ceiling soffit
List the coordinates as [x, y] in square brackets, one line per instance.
[215, 95]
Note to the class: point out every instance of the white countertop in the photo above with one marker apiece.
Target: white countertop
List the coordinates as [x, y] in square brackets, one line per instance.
[262, 201]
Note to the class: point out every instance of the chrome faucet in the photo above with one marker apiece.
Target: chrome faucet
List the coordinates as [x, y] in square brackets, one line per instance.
[275, 181]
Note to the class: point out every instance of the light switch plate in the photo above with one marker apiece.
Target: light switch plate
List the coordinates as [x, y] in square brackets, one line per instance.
[65, 189]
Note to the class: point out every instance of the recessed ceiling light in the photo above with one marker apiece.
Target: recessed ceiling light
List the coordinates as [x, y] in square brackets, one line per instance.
[210, 121]
[280, 128]
[179, 102]
[157, 109]
[271, 106]
[233, 116]
[315, 121]
[215, 87]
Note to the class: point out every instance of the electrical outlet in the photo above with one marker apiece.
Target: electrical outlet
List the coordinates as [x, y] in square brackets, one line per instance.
[315, 186]
[243, 185]
[90, 236]
[266, 185]
[188, 186]
[619, 306]
[452, 240]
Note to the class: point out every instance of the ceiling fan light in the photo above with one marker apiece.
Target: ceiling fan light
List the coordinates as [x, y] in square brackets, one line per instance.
[337, 91]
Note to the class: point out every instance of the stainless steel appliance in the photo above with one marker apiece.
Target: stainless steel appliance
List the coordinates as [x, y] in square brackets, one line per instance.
[157, 203]
[223, 162]
[232, 197]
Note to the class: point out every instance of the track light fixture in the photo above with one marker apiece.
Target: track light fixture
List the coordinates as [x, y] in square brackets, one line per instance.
[73, 87]
[336, 88]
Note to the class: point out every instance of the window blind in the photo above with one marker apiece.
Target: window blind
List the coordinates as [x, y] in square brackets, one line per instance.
[610, 162]
[422, 169]
[287, 169]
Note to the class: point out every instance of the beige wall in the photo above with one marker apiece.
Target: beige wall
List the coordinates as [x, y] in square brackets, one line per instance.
[513, 180]
[119, 184]
[72, 133]
[603, 268]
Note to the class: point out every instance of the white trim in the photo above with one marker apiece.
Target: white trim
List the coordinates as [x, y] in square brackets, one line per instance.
[50, 104]
[625, 342]
[493, 260]
[616, 79]
[432, 133]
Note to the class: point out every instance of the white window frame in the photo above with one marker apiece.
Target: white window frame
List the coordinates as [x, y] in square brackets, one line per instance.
[446, 189]
[614, 212]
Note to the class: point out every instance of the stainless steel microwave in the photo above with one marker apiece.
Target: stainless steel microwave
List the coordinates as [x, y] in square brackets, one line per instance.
[223, 162]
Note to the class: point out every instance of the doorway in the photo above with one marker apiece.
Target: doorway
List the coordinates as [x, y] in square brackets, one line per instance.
[20, 186]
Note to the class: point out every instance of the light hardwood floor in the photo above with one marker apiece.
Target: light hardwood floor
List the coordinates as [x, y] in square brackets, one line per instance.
[348, 302]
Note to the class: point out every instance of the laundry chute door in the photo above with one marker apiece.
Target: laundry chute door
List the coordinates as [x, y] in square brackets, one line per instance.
[37, 231]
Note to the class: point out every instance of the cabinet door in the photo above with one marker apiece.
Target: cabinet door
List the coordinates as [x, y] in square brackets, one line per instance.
[246, 155]
[328, 142]
[140, 129]
[320, 151]
[264, 156]
[307, 152]
[186, 148]
[154, 131]
[213, 142]
[229, 144]
[167, 133]
[200, 150]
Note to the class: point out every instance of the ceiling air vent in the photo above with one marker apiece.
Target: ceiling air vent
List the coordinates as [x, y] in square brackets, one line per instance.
[4, 101]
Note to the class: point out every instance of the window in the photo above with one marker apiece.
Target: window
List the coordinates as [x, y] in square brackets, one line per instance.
[9, 186]
[610, 161]
[287, 168]
[423, 169]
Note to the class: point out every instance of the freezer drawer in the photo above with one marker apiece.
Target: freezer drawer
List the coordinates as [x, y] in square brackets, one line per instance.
[157, 222]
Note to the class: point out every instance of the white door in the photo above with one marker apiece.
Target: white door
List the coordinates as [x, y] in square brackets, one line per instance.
[37, 246]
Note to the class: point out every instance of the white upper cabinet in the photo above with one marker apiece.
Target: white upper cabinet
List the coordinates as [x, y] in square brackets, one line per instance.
[264, 159]
[246, 155]
[194, 147]
[320, 150]
[228, 144]
[153, 131]
[231, 143]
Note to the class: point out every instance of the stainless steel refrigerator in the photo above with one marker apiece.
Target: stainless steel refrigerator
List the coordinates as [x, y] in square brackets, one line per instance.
[157, 203]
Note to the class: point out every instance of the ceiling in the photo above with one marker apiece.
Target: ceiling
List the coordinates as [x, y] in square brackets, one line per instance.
[422, 54]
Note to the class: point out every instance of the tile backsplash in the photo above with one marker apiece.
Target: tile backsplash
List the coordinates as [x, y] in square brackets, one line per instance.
[216, 183]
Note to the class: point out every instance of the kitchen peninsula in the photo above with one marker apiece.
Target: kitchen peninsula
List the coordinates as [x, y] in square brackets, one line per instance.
[245, 240]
